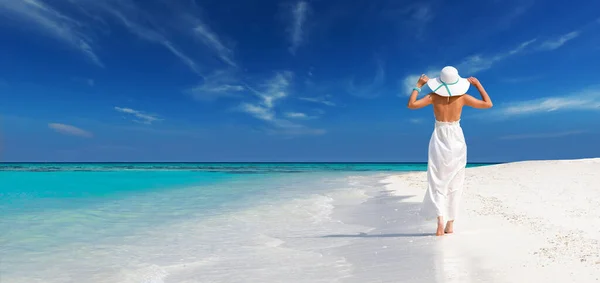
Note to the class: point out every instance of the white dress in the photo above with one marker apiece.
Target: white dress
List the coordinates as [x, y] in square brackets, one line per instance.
[447, 158]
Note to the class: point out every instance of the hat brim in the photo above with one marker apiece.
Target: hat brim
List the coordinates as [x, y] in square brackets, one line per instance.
[456, 89]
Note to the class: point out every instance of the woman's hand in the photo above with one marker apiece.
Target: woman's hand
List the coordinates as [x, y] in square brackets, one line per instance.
[422, 80]
[474, 81]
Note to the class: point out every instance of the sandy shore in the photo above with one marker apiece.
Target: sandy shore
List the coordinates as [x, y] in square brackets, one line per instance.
[535, 221]
[519, 222]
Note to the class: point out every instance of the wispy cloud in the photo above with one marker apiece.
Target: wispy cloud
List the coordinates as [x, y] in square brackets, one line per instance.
[273, 90]
[296, 115]
[177, 21]
[217, 85]
[140, 116]
[416, 120]
[184, 58]
[296, 31]
[589, 100]
[52, 23]
[258, 111]
[410, 81]
[325, 100]
[555, 43]
[269, 94]
[300, 115]
[276, 88]
[477, 63]
[468, 66]
[211, 91]
[70, 130]
[542, 135]
[211, 39]
[288, 128]
[551, 104]
[129, 15]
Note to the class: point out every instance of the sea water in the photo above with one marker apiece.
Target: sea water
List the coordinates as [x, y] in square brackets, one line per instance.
[178, 222]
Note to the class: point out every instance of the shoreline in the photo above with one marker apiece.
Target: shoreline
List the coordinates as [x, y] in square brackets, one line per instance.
[519, 222]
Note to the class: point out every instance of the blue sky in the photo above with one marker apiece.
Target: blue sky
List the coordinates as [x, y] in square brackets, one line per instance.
[159, 80]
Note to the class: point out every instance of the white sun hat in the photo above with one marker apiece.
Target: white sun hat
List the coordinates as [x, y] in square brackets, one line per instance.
[449, 83]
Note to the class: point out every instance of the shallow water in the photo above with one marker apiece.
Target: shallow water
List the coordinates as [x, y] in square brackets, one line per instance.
[141, 224]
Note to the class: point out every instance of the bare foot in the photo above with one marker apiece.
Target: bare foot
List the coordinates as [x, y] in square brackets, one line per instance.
[449, 227]
[440, 227]
[440, 230]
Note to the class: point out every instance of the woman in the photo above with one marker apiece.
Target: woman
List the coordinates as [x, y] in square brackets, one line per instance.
[447, 156]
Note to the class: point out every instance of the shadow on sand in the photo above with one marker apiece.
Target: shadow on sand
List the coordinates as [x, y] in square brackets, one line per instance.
[397, 235]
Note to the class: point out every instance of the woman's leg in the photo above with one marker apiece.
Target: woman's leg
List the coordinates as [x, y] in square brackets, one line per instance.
[440, 226]
[449, 227]
[454, 195]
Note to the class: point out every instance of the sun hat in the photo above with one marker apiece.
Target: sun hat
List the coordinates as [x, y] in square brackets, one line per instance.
[449, 83]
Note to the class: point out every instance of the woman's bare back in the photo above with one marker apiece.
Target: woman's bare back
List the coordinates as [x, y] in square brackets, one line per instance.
[447, 109]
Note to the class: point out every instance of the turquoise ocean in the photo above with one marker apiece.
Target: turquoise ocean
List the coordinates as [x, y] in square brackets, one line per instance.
[168, 222]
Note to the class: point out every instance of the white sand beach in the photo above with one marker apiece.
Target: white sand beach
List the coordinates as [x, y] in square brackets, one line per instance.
[520, 222]
[535, 221]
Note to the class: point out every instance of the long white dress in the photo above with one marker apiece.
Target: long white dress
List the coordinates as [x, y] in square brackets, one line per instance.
[445, 171]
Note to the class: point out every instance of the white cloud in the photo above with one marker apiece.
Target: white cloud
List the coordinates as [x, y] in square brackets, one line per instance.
[299, 15]
[296, 115]
[288, 128]
[325, 100]
[522, 47]
[477, 63]
[174, 19]
[410, 81]
[70, 130]
[270, 93]
[555, 43]
[52, 23]
[542, 135]
[468, 66]
[260, 112]
[416, 120]
[551, 104]
[217, 85]
[212, 40]
[589, 100]
[210, 91]
[300, 115]
[142, 117]
[474, 64]
[184, 58]
[276, 88]
[128, 14]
